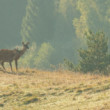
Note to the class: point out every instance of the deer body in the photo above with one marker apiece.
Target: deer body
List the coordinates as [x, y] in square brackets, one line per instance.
[10, 55]
[7, 55]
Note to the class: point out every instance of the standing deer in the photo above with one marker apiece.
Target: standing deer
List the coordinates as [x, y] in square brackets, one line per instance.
[10, 55]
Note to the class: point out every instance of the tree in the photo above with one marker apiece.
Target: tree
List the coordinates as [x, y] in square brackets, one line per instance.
[95, 57]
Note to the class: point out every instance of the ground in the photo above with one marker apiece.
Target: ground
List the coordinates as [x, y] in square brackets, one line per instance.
[31, 89]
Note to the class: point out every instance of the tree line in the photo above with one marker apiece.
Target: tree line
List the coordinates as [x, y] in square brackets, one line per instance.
[57, 29]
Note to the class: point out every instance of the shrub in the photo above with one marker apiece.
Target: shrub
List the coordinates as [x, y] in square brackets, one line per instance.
[95, 57]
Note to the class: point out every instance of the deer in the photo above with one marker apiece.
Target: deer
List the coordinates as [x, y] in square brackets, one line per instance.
[10, 55]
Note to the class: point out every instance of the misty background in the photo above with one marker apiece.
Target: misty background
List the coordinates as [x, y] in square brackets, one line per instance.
[54, 28]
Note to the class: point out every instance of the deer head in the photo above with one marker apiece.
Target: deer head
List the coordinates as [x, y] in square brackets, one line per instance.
[25, 45]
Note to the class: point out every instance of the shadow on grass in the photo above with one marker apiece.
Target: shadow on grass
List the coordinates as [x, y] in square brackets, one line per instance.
[14, 72]
[31, 100]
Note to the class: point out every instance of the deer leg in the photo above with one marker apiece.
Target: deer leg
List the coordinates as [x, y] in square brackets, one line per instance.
[2, 63]
[16, 63]
[10, 66]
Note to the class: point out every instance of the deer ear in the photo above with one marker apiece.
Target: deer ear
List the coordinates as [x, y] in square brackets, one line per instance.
[23, 43]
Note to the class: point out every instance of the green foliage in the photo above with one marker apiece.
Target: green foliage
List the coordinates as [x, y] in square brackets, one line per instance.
[42, 24]
[28, 27]
[71, 66]
[95, 57]
[68, 65]
[37, 57]
[62, 23]
[81, 23]
[41, 59]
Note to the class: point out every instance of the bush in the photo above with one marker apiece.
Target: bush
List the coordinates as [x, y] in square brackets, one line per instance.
[68, 65]
[95, 57]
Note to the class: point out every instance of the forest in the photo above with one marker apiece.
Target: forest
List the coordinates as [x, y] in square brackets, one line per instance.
[54, 28]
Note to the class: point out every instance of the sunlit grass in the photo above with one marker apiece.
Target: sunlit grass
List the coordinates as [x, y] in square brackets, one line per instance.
[31, 89]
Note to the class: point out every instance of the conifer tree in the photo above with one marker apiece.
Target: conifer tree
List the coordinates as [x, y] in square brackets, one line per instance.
[95, 57]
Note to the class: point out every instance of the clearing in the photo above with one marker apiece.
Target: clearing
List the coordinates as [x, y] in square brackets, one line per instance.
[31, 89]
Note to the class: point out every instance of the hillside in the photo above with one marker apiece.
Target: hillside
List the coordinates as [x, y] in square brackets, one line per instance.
[31, 89]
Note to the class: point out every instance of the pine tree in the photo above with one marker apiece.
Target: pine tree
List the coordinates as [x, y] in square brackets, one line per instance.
[95, 57]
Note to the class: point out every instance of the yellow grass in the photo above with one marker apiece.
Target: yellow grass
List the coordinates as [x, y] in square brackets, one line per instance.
[31, 89]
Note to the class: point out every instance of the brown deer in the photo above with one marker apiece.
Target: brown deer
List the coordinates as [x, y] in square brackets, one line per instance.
[10, 55]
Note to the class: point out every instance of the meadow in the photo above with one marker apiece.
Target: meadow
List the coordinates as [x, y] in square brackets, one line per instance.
[31, 89]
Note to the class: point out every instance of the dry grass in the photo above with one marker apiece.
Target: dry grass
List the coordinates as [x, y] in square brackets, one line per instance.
[31, 89]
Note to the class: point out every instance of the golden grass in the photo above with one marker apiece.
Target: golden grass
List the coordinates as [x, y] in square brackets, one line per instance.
[31, 89]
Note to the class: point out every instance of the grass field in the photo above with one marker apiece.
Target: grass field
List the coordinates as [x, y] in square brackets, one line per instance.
[31, 89]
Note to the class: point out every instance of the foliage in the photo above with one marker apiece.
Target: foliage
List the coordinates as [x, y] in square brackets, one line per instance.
[28, 23]
[62, 24]
[37, 57]
[68, 65]
[41, 59]
[95, 57]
